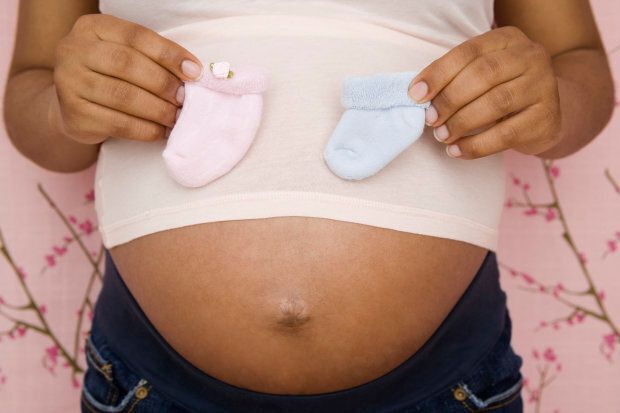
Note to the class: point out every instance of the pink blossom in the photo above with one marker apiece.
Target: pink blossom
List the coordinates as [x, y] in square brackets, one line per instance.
[51, 260]
[612, 246]
[2, 379]
[528, 278]
[21, 330]
[533, 396]
[74, 382]
[549, 355]
[582, 257]
[86, 226]
[601, 295]
[558, 367]
[52, 353]
[90, 195]
[1, 300]
[508, 203]
[72, 219]
[556, 326]
[513, 273]
[526, 187]
[610, 340]
[67, 239]
[535, 354]
[516, 181]
[550, 215]
[555, 171]
[21, 272]
[59, 250]
[618, 234]
[531, 211]
[543, 323]
[580, 316]
[43, 309]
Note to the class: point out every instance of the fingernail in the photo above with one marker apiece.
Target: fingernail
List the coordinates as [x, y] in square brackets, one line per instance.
[418, 91]
[176, 117]
[190, 69]
[453, 150]
[441, 133]
[431, 115]
[180, 94]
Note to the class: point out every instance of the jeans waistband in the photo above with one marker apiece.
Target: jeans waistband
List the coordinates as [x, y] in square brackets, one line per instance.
[462, 339]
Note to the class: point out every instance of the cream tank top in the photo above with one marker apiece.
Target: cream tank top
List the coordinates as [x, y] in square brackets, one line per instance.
[307, 47]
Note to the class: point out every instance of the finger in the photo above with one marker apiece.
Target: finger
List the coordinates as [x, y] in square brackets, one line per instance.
[500, 101]
[125, 63]
[434, 77]
[97, 120]
[124, 97]
[156, 47]
[517, 130]
[477, 78]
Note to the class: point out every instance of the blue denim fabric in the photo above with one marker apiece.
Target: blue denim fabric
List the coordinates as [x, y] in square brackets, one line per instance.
[132, 369]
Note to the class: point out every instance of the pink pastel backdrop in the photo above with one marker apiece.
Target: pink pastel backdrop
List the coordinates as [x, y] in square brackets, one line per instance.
[563, 290]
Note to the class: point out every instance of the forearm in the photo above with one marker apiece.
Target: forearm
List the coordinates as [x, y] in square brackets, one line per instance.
[586, 99]
[28, 106]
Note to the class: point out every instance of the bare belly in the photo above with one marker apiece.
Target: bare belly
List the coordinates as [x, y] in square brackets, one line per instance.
[295, 305]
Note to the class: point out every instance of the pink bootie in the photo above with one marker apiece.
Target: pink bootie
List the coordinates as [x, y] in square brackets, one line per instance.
[219, 118]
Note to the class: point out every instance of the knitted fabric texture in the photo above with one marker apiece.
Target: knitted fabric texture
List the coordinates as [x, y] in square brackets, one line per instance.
[380, 121]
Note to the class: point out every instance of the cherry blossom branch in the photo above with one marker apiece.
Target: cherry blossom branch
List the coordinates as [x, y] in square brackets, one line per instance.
[612, 181]
[12, 306]
[72, 230]
[568, 318]
[592, 290]
[44, 327]
[61, 250]
[579, 312]
[532, 204]
[86, 302]
[22, 323]
[569, 303]
[10, 331]
[535, 394]
[543, 382]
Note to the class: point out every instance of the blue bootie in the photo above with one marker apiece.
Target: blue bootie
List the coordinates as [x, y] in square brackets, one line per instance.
[379, 122]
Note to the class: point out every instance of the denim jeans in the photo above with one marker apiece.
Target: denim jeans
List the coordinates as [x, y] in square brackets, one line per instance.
[132, 369]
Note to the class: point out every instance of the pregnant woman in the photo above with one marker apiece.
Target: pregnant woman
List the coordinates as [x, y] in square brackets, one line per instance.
[281, 287]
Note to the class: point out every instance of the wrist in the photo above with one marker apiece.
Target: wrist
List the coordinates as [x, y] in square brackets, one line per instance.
[70, 154]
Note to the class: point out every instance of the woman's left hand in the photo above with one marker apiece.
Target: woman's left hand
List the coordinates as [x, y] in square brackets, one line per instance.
[499, 76]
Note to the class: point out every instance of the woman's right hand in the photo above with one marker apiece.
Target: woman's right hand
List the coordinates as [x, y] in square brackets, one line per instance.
[117, 78]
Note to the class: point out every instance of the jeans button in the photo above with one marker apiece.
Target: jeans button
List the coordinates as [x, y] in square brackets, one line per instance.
[142, 392]
[459, 394]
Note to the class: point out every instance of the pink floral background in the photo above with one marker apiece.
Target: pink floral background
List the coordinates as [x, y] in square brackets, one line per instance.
[559, 256]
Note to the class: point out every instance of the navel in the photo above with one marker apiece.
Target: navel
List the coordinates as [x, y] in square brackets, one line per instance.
[293, 312]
